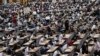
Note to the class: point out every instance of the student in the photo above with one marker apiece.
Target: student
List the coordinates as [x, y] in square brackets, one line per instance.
[85, 48]
[63, 48]
[1, 54]
[44, 49]
[26, 51]
[66, 25]
[56, 53]
[96, 47]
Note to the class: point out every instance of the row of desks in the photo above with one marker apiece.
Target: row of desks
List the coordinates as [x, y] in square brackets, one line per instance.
[51, 50]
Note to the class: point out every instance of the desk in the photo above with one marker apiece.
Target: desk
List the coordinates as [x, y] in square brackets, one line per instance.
[45, 42]
[64, 55]
[28, 43]
[51, 37]
[20, 49]
[45, 55]
[35, 50]
[37, 37]
[51, 50]
[82, 35]
[96, 36]
[67, 36]
[77, 42]
[91, 43]
[3, 49]
[2, 42]
[60, 42]
[69, 49]
[24, 37]
[13, 43]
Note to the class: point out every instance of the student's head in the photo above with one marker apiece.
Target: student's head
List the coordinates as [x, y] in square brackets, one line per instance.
[95, 40]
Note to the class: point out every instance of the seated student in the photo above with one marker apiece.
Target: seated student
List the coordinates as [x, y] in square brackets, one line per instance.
[26, 51]
[1, 20]
[1, 54]
[3, 38]
[41, 40]
[94, 27]
[44, 49]
[85, 48]
[97, 47]
[63, 48]
[56, 53]
[9, 50]
[60, 37]
[76, 52]
[11, 40]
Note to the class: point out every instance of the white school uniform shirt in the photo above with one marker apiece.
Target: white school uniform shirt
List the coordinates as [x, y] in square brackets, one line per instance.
[34, 13]
[93, 27]
[26, 51]
[97, 46]
[64, 47]
[1, 18]
[60, 37]
[18, 37]
[41, 40]
[37, 28]
[46, 35]
[47, 18]
[55, 53]
[1, 54]
[3, 38]
[11, 40]
[55, 38]
[19, 22]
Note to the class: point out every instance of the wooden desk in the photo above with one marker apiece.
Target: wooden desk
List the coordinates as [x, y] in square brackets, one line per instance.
[51, 37]
[82, 36]
[13, 43]
[45, 42]
[3, 49]
[2, 42]
[77, 42]
[91, 43]
[35, 50]
[51, 50]
[67, 36]
[28, 43]
[96, 36]
[24, 37]
[69, 49]
[45, 55]
[37, 37]
[60, 42]
[20, 49]
[64, 55]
